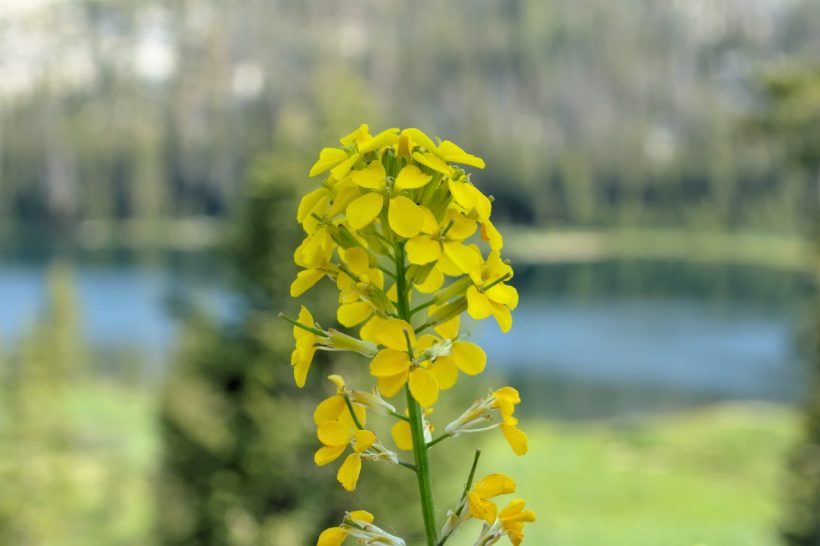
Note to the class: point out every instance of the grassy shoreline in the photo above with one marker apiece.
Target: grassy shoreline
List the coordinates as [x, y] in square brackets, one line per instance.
[540, 245]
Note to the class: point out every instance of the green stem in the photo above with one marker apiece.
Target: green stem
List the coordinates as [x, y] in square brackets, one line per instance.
[437, 440]
[414, 410]
[422, 468]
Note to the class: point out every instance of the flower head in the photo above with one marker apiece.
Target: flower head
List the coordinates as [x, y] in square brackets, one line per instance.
[359, 525]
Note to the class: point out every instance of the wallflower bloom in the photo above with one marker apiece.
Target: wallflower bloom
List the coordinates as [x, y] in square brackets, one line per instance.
[397, 364]
[484, 489]
[479, 417]
[489, 295]
[359, 525]
[302, 355]
[336, 437]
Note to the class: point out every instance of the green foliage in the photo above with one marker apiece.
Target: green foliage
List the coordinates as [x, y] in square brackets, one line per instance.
[67, 480]
[595, 114]
[792, 118]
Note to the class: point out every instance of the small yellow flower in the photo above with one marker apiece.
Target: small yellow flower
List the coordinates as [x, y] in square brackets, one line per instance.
[358, 525]
[486, 488]
[498, 298]
[336, 436]
[513, 517]
[302, 355]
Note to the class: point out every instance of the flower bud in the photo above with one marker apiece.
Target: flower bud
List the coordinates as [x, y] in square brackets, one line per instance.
[446, 312]
[342, 342]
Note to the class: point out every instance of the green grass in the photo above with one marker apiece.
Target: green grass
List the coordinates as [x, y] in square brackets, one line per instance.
[707, 478]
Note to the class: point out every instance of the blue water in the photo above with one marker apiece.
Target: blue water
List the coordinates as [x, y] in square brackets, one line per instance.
[715, 331]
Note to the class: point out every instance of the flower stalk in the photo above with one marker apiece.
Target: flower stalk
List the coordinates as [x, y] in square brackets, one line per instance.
[396, 219]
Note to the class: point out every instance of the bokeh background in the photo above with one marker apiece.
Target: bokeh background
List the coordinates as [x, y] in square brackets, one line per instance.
[655, 166]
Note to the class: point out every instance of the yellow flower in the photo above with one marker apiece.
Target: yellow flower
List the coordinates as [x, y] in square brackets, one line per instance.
[396, 364]
[302, 355]
[487, 488]
[334, 408]
[456, 356]
[478, 417]
[358, 525]
[490, 295]
[335, 437]
[513, 517]
[505, 399]
[445, 239]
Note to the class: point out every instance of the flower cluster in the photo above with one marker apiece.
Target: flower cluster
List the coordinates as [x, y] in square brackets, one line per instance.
[398, 227]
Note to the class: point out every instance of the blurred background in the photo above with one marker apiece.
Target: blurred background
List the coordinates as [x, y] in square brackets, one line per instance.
[655, 167]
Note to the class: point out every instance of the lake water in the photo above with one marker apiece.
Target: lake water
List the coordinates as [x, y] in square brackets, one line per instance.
[606, 334]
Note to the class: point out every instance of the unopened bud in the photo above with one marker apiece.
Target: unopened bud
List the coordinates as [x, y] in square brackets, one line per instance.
[343, 342]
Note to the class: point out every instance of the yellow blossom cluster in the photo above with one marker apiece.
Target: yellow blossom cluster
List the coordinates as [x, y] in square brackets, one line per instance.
[407, 239]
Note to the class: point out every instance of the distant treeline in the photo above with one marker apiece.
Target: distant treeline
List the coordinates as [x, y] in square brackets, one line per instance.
[590, 114]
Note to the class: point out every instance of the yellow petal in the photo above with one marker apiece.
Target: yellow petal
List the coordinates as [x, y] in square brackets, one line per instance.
[305, 318]
[308, 202]
[362, 440]
[503, 294]
[420, 139]
[339, 381]
[301, 365]
[469, 357]
[357, 260]
[342, 199]
[466, 258]
[362, 515]
[370, 330]
[462, 194]
[363, 210]
[371, 177]
[340, 171]
[351, 314]
[348, 474]
[333, 536]
[432, 283]
[405, 217]
[392, 334]
[490, 234]
[430, 224]
[481, 508]
[388, 137]
[449, 329]
[361, 133]
[494, 485]
[329, 409]
[402, 436]
[305, 280]
[328, 454]
[478, 306]
[516, 438]
[411, 177]
[391, 385]
[422, 249]
[462, 227]
[429, 160]
[328, 158]
[446, 266]
[333, 433]
[450, 151]
[423, 387]
[502, 316]
[445, 371]
[483, 206]
[389, 362]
